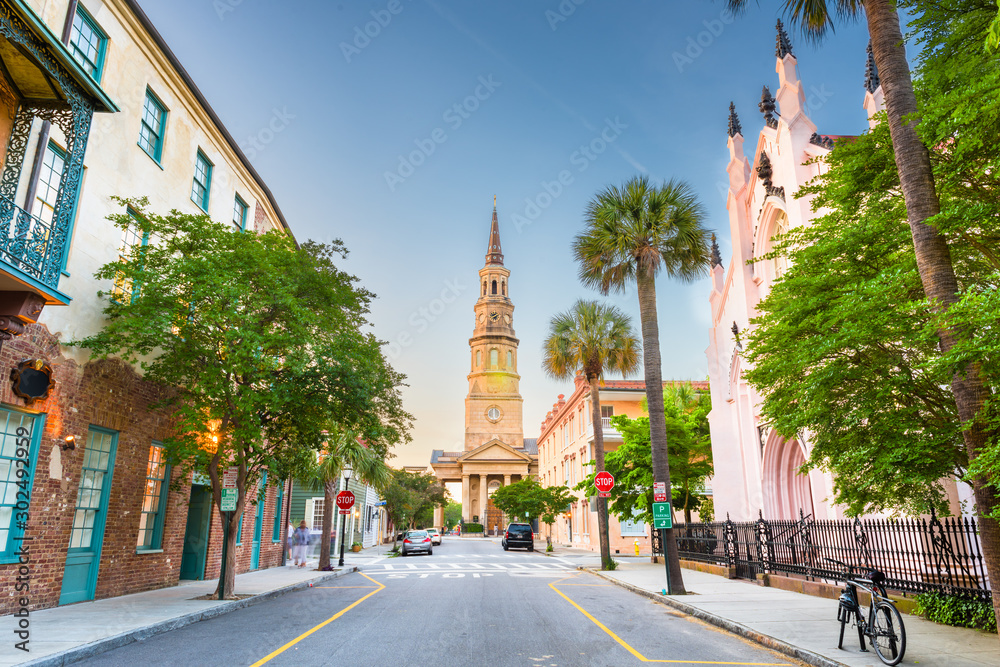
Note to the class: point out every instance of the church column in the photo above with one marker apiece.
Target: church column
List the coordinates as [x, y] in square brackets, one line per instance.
[466, 500]
[439, 516]
[482, 500]
[506, 480]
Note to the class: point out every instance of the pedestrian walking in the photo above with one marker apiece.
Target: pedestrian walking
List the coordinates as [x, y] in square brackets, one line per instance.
[300, 539]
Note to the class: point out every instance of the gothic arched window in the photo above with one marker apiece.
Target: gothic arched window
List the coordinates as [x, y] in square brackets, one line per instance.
[503, 287]
[510, 360]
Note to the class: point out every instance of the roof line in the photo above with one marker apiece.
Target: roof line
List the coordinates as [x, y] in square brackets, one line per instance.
[189, 82]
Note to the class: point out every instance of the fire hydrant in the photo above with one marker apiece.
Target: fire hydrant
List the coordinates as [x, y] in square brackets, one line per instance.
[637, 547]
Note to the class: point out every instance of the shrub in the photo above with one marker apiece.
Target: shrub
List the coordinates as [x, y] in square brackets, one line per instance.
[955, 610]
[472, 528]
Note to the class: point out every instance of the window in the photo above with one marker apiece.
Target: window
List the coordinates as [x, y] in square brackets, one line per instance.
[154, 500]
[279, 500]
[493, 414]
[91, 498]
[132, 236]
[607, 411]
[510, 360]
[19, 436]
[240, 214]
[87, 44]
[202, 184]
[154, 121]
[494, 287]
[494, 358]
[317, 517]
[49, 177]
[479, 358]
[634, 528]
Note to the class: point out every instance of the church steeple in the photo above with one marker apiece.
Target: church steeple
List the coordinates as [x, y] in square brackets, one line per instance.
[494, 255]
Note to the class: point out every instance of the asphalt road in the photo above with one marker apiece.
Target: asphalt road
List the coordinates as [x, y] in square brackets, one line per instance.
[470, 603]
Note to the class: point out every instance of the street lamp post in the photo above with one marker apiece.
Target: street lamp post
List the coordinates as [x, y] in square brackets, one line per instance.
[343, 517]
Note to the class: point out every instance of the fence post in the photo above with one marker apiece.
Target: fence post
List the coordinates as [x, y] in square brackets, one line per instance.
[765, 547]
[729, 542]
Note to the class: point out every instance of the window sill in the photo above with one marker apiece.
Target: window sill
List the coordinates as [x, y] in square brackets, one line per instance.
[155, 161]
[203, 209]
[141, 552]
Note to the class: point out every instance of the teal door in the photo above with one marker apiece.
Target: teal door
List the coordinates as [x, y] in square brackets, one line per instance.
[258, 524]
[196, 533]
[87, 535]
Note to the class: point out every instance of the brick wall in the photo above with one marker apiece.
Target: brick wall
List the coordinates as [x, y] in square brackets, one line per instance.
[270, 552]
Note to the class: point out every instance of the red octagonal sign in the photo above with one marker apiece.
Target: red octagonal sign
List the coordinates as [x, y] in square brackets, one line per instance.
[604, 481]
[345, 501]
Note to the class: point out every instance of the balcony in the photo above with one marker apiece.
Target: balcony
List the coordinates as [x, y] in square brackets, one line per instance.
[30, 246]
[607, 428]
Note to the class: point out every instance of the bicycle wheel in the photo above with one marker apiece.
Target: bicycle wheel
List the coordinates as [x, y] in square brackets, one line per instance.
[887, 633]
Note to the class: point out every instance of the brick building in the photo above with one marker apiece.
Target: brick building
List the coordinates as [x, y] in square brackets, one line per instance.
[105, 109]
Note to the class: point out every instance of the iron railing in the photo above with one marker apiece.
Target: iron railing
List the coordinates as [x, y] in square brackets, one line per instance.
[27, 244]
[916, 555]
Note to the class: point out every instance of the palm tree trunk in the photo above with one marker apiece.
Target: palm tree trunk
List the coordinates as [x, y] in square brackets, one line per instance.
[933, 257]
[602, 503]
[329, 503]
[657, 421]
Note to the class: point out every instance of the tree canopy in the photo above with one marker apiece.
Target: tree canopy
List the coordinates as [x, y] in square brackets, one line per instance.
[527, 500]
[261, 343]
[412, 494]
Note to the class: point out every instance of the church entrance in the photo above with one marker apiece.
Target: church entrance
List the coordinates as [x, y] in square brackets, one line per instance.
[494, 517]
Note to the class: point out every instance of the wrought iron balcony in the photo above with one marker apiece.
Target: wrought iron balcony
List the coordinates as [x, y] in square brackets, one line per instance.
[29, 244]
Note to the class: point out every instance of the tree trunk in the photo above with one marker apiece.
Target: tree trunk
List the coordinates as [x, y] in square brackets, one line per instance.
[657, 421]
[329, 502]
[934, 263]
[602, 503]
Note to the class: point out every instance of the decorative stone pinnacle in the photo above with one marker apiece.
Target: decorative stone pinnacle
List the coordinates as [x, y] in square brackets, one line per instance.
[782, 47]
[716, 255]
[871, 71]
[736, 335]
[767, 106]
[734, 121]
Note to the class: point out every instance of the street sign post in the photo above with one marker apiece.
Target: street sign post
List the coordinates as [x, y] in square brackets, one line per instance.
[604, 481]
[659, 492]
[661, 516]
[229, 476]
[228, 503]
[345, 501]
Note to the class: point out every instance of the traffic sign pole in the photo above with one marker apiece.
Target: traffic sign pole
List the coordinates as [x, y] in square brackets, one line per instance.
[663, 522]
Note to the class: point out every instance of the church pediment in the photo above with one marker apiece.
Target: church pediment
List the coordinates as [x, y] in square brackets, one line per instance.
[494, 450]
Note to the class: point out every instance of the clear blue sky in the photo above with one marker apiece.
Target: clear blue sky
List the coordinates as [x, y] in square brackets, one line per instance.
[661, 73]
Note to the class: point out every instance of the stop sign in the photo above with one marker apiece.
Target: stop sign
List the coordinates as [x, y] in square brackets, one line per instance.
[604, 481]
[345, 501]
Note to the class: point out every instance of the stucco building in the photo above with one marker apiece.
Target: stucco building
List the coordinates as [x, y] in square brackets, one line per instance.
[93, 104]
[566, 454]
[496, 452]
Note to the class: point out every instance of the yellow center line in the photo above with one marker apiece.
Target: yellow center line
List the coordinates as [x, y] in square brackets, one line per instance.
[333, 618]
[640, 656]
[339, 587]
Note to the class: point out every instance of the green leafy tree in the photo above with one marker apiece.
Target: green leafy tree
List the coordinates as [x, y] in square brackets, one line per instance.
[258, 342]
[528, 500]
[452, 514]
[592, 338]
[343, 449]
[632, 234]
[686, 415]
[409, 494]
[935, 256]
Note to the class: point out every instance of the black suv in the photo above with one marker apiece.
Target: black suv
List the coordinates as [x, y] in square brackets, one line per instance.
[518, 535]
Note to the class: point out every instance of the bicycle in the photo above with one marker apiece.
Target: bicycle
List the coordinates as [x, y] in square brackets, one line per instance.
[883, 625]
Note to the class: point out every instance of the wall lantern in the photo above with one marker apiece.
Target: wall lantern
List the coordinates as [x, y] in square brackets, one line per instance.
[69, 442]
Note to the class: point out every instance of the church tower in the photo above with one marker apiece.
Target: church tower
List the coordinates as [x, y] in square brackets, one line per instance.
[493, 406]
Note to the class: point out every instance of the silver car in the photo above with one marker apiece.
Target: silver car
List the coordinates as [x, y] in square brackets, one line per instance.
[416, 541]
[435, 535]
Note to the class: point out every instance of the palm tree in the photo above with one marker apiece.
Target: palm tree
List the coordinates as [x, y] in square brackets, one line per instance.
[592, 338]
[633, 233]
[937, 273]
[344, 447]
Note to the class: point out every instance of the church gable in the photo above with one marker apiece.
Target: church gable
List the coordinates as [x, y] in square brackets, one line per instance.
[494, 450]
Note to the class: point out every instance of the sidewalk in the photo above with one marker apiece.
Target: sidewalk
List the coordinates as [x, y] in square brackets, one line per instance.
[63, 635]
[801, 626]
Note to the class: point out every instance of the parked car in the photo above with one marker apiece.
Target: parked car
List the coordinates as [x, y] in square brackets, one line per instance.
[435, 535]
[518, 535]
[416, 541]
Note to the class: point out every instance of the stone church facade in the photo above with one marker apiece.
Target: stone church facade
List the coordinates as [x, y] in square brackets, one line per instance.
[496, 452]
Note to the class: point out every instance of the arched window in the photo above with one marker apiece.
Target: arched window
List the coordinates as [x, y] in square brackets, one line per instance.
[484, 288]
[494, 358]
[479, 358]
[510, 360]
[503, 287]
[494, 287]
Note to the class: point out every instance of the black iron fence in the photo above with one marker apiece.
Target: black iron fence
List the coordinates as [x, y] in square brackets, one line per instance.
[916, 555]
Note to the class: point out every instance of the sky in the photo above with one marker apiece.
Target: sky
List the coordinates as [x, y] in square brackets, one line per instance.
[400, 120]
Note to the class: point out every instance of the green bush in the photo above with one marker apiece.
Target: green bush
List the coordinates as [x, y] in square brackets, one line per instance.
[958, 611]
[472, 528]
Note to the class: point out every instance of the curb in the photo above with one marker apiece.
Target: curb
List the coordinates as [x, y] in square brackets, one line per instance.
[767, 641]
[78, 653]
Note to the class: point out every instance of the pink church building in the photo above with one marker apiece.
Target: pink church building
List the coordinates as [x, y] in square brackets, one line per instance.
[756, 470]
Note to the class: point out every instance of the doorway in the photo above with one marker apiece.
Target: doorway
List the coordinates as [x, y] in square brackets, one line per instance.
[196, 534]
